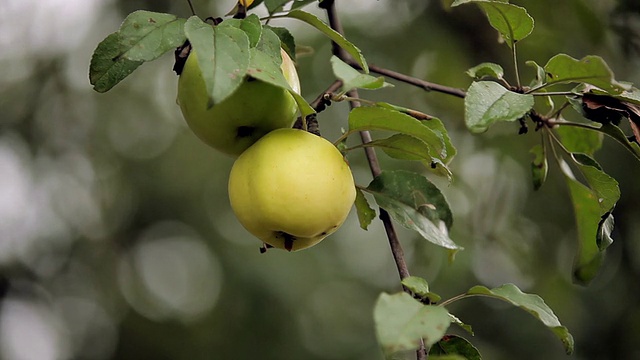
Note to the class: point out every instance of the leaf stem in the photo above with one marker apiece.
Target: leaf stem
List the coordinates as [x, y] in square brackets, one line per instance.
[515, 65]
[374, 165]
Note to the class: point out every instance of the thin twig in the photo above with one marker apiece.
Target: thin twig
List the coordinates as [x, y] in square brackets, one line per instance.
[426, 85]
[374, 165]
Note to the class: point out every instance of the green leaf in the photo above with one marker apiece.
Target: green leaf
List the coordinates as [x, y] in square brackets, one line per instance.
[487, 103]
[401, 322]
[590, 69]
[532, 304]
[459, 322]
[251, 25]
[616, 133]
[143, 36]
[377, 118]
[148, 35]
[486, 70]
[420, 288]
[539, 166]
[275, 5]
[414, 202]
[587, 213]
[592, 206]
[437, 127]
[107, 68]
[454, 345]
[286, 40]
[265, 66]
[580, 140]
[353, 79]
[223, 56]
[512, 22]
[404, 147]
[604, 186]
[331, 34]
[541, 75]
[365, 213]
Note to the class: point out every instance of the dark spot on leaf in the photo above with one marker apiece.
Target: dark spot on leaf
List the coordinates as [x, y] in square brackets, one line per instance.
[152, 20]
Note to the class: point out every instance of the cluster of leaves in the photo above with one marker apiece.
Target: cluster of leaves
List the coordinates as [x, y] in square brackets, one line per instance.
[247, 47]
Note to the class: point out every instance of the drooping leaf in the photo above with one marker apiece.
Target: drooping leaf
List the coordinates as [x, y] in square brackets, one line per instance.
[377, 118]
[486, 70]
[532, 304]
[437, 127]
[223, 56]
[365, 213]
[331, 34]
[580, 140]
[353, 79]
[454, 345]
[401, 321]
[414, 202]
[591, 69]
[487, 103]
[512, 22]
[604, 186]
[539, 166]
[592, 206]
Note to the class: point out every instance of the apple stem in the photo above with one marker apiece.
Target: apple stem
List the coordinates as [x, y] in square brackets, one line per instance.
[374, 165]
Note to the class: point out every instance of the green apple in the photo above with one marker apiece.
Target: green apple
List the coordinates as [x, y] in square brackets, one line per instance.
[252, 111]
[291, 189]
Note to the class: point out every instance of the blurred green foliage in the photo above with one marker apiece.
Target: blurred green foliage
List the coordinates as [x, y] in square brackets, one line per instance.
[117, 240]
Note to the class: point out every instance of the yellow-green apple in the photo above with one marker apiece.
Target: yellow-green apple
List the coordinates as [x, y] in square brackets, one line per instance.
[252, 111]
[291, 189]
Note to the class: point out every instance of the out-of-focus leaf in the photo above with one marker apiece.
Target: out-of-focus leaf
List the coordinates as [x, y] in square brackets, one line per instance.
[414, 202]
[377, 118]
[401, 321]
[512, 22]
[353, 79]
[591, 69]
[487, 103]
[485, 70]
[223, 56]
[580, 140]
[532, 304]
[454, 345]
[404, 147]
[331, 34]
[539, 166]
[365, 213]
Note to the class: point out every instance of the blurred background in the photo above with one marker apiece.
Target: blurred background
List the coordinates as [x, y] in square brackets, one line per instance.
[117, 240]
